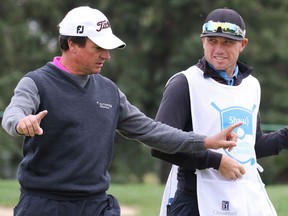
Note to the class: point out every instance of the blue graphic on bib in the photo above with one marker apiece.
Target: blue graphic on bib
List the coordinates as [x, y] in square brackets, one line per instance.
[233, 115]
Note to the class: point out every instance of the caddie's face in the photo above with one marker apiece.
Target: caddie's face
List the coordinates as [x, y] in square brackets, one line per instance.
[90, 58]
[223, 53]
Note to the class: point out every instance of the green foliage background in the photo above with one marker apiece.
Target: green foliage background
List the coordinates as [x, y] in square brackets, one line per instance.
[162, 38]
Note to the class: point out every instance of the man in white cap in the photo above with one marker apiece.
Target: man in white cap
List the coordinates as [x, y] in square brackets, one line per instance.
[69, 114]
[205, 98]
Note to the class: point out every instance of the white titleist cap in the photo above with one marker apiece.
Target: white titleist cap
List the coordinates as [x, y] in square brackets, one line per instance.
[88, 22]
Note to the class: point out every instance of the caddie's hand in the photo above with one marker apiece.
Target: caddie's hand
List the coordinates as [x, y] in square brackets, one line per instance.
[30, 125]
[224, 139]
[231, 169]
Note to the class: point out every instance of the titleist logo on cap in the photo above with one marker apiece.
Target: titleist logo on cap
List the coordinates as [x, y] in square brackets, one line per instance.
[103, 25]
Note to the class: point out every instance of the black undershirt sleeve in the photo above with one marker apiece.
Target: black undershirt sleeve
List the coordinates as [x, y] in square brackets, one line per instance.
[268, 144]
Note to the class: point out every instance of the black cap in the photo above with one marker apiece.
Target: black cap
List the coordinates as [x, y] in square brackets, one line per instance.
[225, 15]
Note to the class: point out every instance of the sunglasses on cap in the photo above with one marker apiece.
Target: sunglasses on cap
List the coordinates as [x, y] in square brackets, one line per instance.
[226, 28]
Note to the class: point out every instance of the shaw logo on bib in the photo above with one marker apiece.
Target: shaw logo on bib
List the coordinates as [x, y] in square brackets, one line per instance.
[244, 152]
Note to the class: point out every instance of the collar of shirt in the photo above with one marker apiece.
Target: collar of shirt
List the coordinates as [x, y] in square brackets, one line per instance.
[224, 75]
[57, 63]
[244, 71]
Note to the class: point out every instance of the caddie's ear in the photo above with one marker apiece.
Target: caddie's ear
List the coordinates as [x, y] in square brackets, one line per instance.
[244, 43]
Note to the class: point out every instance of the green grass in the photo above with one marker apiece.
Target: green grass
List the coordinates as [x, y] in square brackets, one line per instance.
[145, 198]
[279, 196]
[9, 193]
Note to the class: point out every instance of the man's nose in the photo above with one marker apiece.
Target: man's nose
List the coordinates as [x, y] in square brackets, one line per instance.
[105, 54]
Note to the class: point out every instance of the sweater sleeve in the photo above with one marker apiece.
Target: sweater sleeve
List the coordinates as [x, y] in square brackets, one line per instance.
[135, 125]
[175, 111]
[25, 101]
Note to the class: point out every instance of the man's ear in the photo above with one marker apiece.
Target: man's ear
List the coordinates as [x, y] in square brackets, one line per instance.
[72, 46]
[244, 44]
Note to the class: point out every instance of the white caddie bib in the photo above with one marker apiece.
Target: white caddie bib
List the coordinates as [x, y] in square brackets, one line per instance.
[222, 105]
